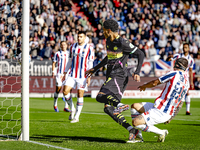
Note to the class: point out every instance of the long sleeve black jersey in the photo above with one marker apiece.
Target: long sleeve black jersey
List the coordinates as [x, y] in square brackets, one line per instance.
[118, 51]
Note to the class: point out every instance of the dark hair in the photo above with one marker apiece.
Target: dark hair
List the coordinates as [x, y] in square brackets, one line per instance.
[181, 63]
[82, 32]
[62, 42]
[186, 44]
[111, 24]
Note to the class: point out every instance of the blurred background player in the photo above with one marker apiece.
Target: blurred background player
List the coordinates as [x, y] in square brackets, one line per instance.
[185, 54]
[118, 50]
[61, 58]
[80, 59]
[165, 106]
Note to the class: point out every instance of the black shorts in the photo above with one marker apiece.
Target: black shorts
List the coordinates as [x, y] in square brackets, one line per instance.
[116, 85]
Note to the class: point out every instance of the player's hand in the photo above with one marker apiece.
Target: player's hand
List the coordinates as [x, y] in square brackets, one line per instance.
[62, 77]
[88, 81]
[136, 77]
[89, 72]
[53, 74]
[142, 88]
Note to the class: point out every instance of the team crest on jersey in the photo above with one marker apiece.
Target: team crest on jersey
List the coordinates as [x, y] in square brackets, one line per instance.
[115, 48]
[107, 46]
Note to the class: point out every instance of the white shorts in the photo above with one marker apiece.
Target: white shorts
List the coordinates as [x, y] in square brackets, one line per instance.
[59, 80]
[153, 115]
[76, 82]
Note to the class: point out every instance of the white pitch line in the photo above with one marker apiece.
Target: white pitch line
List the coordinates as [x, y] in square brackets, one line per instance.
[47, 145]
[93, 113]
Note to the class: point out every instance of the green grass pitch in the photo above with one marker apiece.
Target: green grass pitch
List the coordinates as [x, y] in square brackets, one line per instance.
[97, 131]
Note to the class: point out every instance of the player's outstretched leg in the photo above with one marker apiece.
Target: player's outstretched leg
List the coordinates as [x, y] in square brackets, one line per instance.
[161, 133]
[120, 119]
[107, 97]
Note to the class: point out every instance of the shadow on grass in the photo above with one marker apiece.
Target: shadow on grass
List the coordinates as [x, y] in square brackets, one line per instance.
[191, 124]
[75, 138]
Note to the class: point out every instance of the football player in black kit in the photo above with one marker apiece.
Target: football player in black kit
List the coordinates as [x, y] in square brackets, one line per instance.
[118, 50]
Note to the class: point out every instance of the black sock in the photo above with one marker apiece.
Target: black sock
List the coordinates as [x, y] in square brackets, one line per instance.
[117, 118]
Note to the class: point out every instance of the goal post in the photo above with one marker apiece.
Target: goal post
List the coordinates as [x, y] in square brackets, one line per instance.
[25, 71]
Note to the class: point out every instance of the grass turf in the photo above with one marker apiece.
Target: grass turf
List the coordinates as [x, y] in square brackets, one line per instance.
[97, 131]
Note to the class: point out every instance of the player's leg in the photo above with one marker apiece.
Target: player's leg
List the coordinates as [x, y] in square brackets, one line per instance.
[68, 99]
[66, 108]
[107, 97]
[58, 88]
[136, 110]
[69, 84]
[79, 106]
[108, 109]
[187, 102]
[147, 120]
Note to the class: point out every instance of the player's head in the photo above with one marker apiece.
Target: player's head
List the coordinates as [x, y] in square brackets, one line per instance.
[81, 37]
[63, 45]
[186, 48]
[110, 26]
[181, 63]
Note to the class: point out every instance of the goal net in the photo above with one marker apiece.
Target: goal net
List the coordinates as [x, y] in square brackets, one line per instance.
[14, 103]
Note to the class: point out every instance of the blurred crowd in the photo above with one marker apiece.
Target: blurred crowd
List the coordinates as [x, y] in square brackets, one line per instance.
[158, 29]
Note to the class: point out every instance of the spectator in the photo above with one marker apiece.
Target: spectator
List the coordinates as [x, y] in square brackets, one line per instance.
[3, 51]
[33, 51]
[48, 51]
[175, 44]
[162, 42]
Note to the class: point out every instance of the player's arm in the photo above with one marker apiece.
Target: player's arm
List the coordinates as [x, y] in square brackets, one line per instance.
[191, 77]
[163, 79]
[129, 48]
[140, 56]
[54, 64]
[53, 68]
[150, 84]
[94, 69]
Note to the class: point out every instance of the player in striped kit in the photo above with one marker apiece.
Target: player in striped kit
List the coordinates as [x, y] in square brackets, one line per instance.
[186, 55]
[80, 60]
[61, 58]
[165, 106]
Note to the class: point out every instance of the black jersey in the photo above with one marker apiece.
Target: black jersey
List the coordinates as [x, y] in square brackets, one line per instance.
[117, 55]
[118, 51]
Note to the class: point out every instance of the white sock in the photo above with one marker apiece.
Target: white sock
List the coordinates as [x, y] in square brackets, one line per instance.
[134, 114]
[66, 104]
[187, 101]
[68, 99]
[79, 107]
[55, 98]
[153, 129]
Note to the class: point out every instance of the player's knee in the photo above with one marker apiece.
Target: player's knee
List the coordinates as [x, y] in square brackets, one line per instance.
[65, 92]
[100, 97]
[134, 122]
